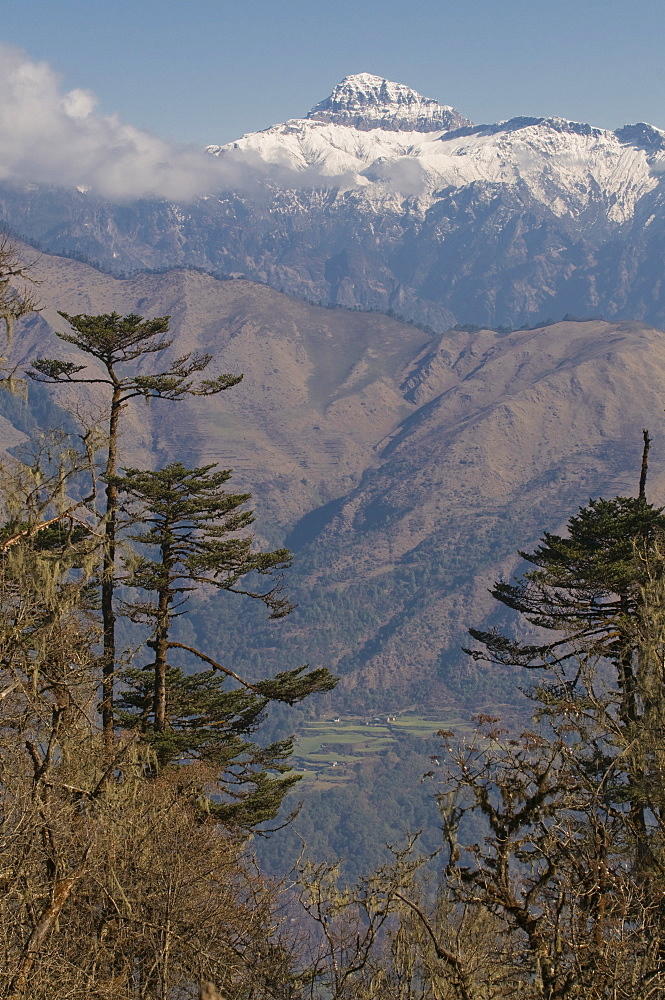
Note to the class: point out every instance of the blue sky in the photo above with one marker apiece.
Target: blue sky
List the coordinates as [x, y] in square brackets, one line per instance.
[205, 71]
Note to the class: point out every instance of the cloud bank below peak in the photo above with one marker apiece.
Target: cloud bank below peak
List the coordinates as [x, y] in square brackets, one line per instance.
[49, 136]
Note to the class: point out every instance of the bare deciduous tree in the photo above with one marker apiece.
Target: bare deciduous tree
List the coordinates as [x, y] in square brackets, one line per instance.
[17, 282]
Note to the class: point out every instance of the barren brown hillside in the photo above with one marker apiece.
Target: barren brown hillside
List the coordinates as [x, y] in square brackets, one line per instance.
[321, 386]
[404, 468]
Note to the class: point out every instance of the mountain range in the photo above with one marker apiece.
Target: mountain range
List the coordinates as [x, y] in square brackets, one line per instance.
[381, 199]
[408, 442]
[404, 468]
[403, 462]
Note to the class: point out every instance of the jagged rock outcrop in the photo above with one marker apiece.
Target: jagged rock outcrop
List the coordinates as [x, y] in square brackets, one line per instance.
[365, 102]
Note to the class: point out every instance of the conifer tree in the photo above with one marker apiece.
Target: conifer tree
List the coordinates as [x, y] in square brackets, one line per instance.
[193, 525]
[563, 861]
[116, 884]
[585, 591]
[596, 594]
[116, 342]
[191, 539]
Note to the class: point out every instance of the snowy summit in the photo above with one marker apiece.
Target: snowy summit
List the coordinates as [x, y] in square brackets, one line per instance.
[367, 119]
[388, 143]
[366, 102]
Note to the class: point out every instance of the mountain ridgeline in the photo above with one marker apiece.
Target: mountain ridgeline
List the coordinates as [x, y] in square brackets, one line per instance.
[403, 462]
[382, 199]
[403, 468]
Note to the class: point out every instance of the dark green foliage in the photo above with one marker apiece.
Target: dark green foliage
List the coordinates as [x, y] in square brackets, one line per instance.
[55, 538]
[115, 341]
[193, 524]
[292, 686]
[467, 328]
[202, 713]
[600, 591]
[584, 585]
[190, 532]
[208, 722]
[191, 536]
[572, 861]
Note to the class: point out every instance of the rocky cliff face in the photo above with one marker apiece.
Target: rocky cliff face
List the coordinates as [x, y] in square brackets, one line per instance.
[383, 199]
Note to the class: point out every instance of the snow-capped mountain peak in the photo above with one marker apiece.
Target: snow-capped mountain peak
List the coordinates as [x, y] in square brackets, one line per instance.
[384, 199]
[365, 101]
[392, 150]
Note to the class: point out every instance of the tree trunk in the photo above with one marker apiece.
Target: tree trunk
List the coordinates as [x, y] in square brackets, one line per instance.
[62, 890]
[160, 643]
[108, 573]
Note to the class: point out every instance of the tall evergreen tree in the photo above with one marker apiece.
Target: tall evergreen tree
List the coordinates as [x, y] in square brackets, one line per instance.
[191, 538]
[193, 526]
[115, 342]
[596, 596]
[584, 591]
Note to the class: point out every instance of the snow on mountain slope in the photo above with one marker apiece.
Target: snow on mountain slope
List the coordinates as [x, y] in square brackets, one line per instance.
[385, 138]
[564, 165]
[365, 119]
[382, 199]
[366, 102]
[331, 149]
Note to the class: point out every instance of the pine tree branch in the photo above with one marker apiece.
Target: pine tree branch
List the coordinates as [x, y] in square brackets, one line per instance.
[213, 664]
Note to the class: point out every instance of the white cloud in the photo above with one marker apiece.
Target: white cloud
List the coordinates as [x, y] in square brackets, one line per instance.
[79, 103]
[48, 136]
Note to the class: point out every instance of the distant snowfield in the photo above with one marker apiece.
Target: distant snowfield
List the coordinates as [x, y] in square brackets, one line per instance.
[562, 167]
[565, 165]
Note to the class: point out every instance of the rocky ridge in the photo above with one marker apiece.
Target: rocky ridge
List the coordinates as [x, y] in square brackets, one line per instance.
[364, 101]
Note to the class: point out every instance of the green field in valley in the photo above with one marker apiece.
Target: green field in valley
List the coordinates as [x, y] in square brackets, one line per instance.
[326, 750]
